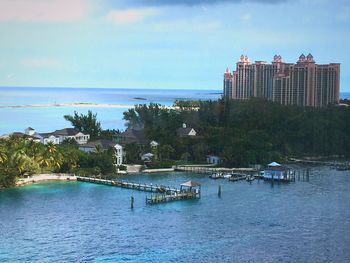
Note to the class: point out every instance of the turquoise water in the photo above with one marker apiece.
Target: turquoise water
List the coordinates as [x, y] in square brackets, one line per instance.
[46, 119]
[81, 222]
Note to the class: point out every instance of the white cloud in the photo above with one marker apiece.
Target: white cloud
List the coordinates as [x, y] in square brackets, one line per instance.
[131, 16]
[245, 18]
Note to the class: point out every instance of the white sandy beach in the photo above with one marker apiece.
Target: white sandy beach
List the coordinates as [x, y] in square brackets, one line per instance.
[45, 177]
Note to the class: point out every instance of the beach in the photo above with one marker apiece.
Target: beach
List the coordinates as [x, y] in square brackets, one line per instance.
[45, 177]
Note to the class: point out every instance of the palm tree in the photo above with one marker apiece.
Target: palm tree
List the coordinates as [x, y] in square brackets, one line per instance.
[3, 156]
[51, 158]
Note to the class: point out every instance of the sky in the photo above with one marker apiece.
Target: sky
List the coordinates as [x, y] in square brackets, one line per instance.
[170, 44]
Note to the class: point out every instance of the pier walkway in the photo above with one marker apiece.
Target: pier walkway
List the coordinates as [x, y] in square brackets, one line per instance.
[163, 193]
[208, 169]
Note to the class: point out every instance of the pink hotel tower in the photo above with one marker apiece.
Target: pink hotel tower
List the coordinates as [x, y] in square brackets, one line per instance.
[304, 83]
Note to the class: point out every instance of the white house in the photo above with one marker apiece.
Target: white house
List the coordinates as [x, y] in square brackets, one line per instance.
[50, 139]
[71, 133]
[154, 144]
[29, 131]
[105, 145]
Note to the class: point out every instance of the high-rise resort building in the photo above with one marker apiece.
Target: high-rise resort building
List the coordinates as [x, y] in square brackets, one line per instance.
[304, 83]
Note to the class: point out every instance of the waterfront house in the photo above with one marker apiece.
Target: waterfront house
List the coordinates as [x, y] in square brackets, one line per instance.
[71, 133]
[49, 138]
[104, 145]
[186, 131]
[213, 159]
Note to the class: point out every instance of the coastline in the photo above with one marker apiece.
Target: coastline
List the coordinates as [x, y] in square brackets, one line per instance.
[45, 177]
[75, 104]
[79, 105]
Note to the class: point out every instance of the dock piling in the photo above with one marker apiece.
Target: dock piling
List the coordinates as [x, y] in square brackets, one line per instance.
[219, 191]
[132, 202]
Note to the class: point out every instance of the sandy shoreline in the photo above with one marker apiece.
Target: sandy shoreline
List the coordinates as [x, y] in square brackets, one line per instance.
[79, 105]
[45, 177]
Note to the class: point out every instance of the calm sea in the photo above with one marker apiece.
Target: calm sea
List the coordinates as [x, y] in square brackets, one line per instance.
[257, 222]
[46, 119]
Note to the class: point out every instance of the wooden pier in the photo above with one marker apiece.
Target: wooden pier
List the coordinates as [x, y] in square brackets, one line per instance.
[162, 198]
[188, 190]
[208, 169]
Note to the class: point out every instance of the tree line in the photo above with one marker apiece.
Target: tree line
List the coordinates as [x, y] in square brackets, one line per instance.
[255, 131]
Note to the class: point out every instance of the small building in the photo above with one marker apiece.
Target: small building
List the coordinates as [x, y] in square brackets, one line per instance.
[105, 145]
[192, 187]
[275, 171]
[213, 159]
[33, 137]
[147, 157]
[29, 131]
[154, 144]
[186, 131]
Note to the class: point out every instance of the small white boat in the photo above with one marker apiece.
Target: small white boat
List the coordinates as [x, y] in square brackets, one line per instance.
[227, 176]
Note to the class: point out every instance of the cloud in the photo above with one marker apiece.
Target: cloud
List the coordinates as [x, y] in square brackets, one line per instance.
[343, 16]
[43, 10]
[245, 18]
[186, 25]
[39, 62]
[131, 16]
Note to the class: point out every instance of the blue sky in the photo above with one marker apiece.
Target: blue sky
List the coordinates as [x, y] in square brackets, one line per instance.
[162, 43]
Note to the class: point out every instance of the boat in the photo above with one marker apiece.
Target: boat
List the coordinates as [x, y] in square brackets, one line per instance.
[216, 176]
[227, 175]
[237, 177]
[250, 178]
[343, 168]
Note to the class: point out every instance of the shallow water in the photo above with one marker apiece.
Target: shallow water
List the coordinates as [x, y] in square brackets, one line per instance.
[48, 119]
[82, 222]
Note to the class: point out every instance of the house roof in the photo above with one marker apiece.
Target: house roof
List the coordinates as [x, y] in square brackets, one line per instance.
[133, 136]
[66, 132]
[148, 155]
[103, 143]
[30, 128]
[184, 131]
[23, 135]
[191, 184]
[273, 164]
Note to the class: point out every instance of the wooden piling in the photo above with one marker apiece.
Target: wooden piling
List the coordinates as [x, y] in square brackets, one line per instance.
[132, 202]
[219, 191]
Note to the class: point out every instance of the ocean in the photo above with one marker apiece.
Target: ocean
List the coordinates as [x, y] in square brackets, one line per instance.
[251, 222]
[17, 111]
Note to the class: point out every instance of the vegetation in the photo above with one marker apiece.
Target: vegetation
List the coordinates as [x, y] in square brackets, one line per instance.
[246, 132]
[20, 157]
[85, 123]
